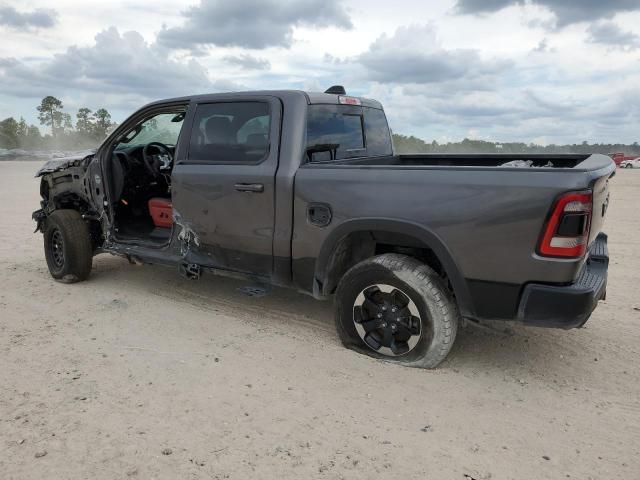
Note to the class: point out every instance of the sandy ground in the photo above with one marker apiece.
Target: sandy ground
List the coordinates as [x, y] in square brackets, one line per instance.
[139, 373]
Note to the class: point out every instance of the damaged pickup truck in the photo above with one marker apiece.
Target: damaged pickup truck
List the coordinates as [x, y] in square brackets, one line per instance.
[304, 190]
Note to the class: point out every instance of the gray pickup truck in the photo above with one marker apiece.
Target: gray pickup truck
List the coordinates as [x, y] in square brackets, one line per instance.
[304, 190]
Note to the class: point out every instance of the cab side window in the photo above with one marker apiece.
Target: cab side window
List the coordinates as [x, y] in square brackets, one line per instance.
[231, 132]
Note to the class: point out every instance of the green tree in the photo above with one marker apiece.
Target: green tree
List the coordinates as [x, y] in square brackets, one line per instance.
[84, 124]
[50, 113]
[23, 128]
[29, 136]
[33, 138]
[102, 122]
[65, 122]
[9, 133]
[410, 144]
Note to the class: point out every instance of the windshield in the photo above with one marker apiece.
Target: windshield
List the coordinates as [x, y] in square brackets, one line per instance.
[164, 128]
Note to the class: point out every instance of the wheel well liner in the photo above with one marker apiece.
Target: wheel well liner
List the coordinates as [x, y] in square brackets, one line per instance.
[356, 240]
[70, 200]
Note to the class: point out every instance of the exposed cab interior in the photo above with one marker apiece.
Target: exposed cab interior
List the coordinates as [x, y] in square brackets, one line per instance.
[140, 178]
[142, 161]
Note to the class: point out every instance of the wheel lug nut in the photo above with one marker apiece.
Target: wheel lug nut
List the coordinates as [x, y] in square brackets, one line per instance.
[379, 315]
[393, 309]
[384, 325]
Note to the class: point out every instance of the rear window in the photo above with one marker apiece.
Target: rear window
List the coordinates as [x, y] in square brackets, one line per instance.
[335, 132]
[235, 132]
[377, 133]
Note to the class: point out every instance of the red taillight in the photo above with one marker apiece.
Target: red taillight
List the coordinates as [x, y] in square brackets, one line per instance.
[566, 233]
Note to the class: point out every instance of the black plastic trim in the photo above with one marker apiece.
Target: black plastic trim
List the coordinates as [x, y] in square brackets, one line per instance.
[568, 306]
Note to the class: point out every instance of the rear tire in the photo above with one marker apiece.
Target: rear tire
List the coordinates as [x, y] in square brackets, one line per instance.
[67, 246]
[371, 290]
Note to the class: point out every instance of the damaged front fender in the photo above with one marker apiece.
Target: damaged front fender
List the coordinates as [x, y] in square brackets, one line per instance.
[73, 183]
[80, 159]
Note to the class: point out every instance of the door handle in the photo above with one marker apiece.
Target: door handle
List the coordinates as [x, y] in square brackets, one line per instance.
[250, 187]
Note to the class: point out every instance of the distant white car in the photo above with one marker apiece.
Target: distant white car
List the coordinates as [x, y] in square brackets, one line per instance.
[634, 163]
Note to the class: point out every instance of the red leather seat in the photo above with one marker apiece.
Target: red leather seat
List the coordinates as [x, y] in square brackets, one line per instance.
[161, 212]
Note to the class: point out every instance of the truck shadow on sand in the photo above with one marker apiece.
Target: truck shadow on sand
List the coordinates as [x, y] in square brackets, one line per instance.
[500, 346]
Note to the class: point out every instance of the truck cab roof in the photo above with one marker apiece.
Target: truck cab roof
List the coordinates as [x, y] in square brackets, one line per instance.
[310, 97]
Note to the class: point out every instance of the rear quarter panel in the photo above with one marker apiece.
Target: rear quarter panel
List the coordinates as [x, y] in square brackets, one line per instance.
[489, 220]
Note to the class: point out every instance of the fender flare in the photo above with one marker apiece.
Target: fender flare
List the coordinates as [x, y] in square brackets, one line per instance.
[425, 237]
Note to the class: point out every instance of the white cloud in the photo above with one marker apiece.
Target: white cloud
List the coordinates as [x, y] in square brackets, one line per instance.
[115, 64]
[567, 12]
[502, 74]
[414, 55]
[256, 24]
[248, 62]
[38, 18]
[612, 35]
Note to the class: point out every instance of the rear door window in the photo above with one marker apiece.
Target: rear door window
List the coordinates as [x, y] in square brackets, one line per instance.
[230, 132]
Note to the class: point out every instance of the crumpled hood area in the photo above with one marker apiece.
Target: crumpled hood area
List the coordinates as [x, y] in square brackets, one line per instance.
[58, 164]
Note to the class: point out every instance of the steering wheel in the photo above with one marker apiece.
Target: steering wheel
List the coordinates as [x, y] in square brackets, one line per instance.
[153, 162]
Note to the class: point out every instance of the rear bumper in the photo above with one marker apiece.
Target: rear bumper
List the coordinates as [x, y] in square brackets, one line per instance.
[568, 306]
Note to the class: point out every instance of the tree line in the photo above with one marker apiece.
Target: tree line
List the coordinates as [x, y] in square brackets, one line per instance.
[411, 144]
[90, 128]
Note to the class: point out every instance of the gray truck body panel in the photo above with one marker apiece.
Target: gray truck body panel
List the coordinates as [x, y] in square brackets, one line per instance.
[482, 221]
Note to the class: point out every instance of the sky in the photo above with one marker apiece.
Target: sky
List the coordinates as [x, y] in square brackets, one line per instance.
[542, 71]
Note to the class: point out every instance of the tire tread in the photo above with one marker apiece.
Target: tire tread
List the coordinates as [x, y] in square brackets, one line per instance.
[429, 285]
[79, 252]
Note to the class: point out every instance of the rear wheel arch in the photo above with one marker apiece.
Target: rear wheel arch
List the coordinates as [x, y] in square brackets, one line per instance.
[357, 240]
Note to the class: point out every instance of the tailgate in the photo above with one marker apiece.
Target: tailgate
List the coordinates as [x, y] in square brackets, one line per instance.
[600, 205]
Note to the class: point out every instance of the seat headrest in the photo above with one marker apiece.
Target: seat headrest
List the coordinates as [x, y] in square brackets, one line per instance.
[257, 140]
[218, 130]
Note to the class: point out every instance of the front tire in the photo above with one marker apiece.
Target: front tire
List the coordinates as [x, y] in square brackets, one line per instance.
[628, 165]
[395, 308]
[67, 246]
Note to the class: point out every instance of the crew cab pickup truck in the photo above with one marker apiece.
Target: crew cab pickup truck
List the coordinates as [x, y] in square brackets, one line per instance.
[304, 190]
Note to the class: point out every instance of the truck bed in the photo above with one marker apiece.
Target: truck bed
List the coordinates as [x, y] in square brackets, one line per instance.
[547, 161]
